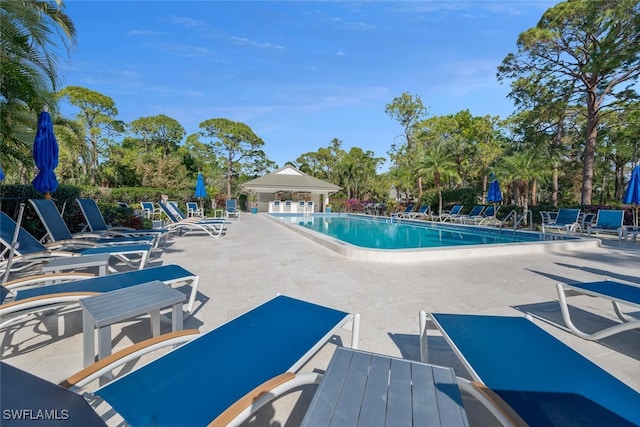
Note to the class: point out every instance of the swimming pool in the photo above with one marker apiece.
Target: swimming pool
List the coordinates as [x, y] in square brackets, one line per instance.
[380, 238]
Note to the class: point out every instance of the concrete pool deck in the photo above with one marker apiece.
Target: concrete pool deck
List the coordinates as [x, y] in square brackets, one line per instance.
[259, 258]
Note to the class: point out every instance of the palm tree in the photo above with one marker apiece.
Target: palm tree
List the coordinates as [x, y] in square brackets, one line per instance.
[524, 170]
[437, 162]
[29, 67]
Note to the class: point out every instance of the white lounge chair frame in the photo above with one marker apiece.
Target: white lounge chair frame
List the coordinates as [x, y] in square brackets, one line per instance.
[615, 294]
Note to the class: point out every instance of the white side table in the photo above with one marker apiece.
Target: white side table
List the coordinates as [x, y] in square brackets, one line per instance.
[101, 311]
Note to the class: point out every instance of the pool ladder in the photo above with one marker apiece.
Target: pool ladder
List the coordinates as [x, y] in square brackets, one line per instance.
[526, 218]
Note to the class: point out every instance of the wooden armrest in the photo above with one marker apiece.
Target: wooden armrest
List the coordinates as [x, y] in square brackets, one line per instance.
[89, 370]
[46, 297]
[500, 404]
[247, 400]
[29, 280]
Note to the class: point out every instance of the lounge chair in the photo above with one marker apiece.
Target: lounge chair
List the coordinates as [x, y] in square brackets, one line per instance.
[30, 252]
[450, 215]
[566, 219]
[586, 219]
[617, 293]
[213, 227]
[544, 381]
[475, 213]
[310, 207]
[487, 217]
[224, 375]
[173, 207]
[407, 211]
[609, 221]
[97, 224]
[423, 212]
[21, 302]
[547, 217]
[57, 230]
[150, 211]
[193, 210]
[231, 209]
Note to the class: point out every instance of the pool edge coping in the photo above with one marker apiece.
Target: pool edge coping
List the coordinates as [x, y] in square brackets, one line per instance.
[399, 256]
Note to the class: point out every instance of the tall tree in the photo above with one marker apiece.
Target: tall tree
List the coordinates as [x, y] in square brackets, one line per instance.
[29, 31]
[158, 132]
[593, 46]
[236, 142]
[97, 113]
[437, 162]
[408, 110]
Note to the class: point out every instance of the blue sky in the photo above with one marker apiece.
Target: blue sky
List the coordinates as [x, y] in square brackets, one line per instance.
[298, 73]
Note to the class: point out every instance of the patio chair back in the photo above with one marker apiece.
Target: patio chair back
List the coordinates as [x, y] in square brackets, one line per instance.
[409, 208]
[541, 378]
[52, 220]
[92, 214]
[169, 213]
[475, 211]
[29, 392]
[490, 211]
[610, 219]
[196, 382]
[27, 244]
[455, 210]
[567, 216]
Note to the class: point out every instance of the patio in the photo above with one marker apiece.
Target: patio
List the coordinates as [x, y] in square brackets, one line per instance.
[259, 258]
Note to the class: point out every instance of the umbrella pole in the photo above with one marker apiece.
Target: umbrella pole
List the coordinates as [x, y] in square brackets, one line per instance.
[47, 195]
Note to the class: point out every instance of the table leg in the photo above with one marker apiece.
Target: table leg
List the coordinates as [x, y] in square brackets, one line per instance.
[155, 322]
[176, 317]
[104, 341]
[88, 347]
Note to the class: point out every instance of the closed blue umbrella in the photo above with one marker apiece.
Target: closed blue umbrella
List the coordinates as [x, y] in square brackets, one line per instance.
[632, 195]
[1, 174]
[495, 194]
[45, 155]
[201, 192]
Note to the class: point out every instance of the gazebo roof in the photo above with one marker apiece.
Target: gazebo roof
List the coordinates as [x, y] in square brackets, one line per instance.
[289, 178]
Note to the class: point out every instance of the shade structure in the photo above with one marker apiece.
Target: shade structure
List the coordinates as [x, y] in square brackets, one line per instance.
[1, 174]
[201, 192]
[45, 155]
[495, 194]
[632, 195]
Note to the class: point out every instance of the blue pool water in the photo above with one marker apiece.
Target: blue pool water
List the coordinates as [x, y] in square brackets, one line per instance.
[382, 233]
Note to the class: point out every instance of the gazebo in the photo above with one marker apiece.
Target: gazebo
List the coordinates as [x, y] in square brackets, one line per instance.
[289, 185]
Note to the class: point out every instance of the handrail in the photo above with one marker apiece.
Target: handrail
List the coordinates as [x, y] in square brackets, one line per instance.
[527, 214]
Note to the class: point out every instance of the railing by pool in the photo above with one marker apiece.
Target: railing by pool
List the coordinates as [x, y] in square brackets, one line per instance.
[289, 206]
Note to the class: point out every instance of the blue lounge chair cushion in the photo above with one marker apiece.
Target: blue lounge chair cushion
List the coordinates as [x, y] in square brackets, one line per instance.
[196, 382]
[110, 282]
[614, 290]
[96, 221]
[567, 216]
[30, 245]
[58, 230]
[546, 382]
[27, 400]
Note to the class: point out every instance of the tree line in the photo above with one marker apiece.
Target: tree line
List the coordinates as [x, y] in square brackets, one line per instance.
[572, 139]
